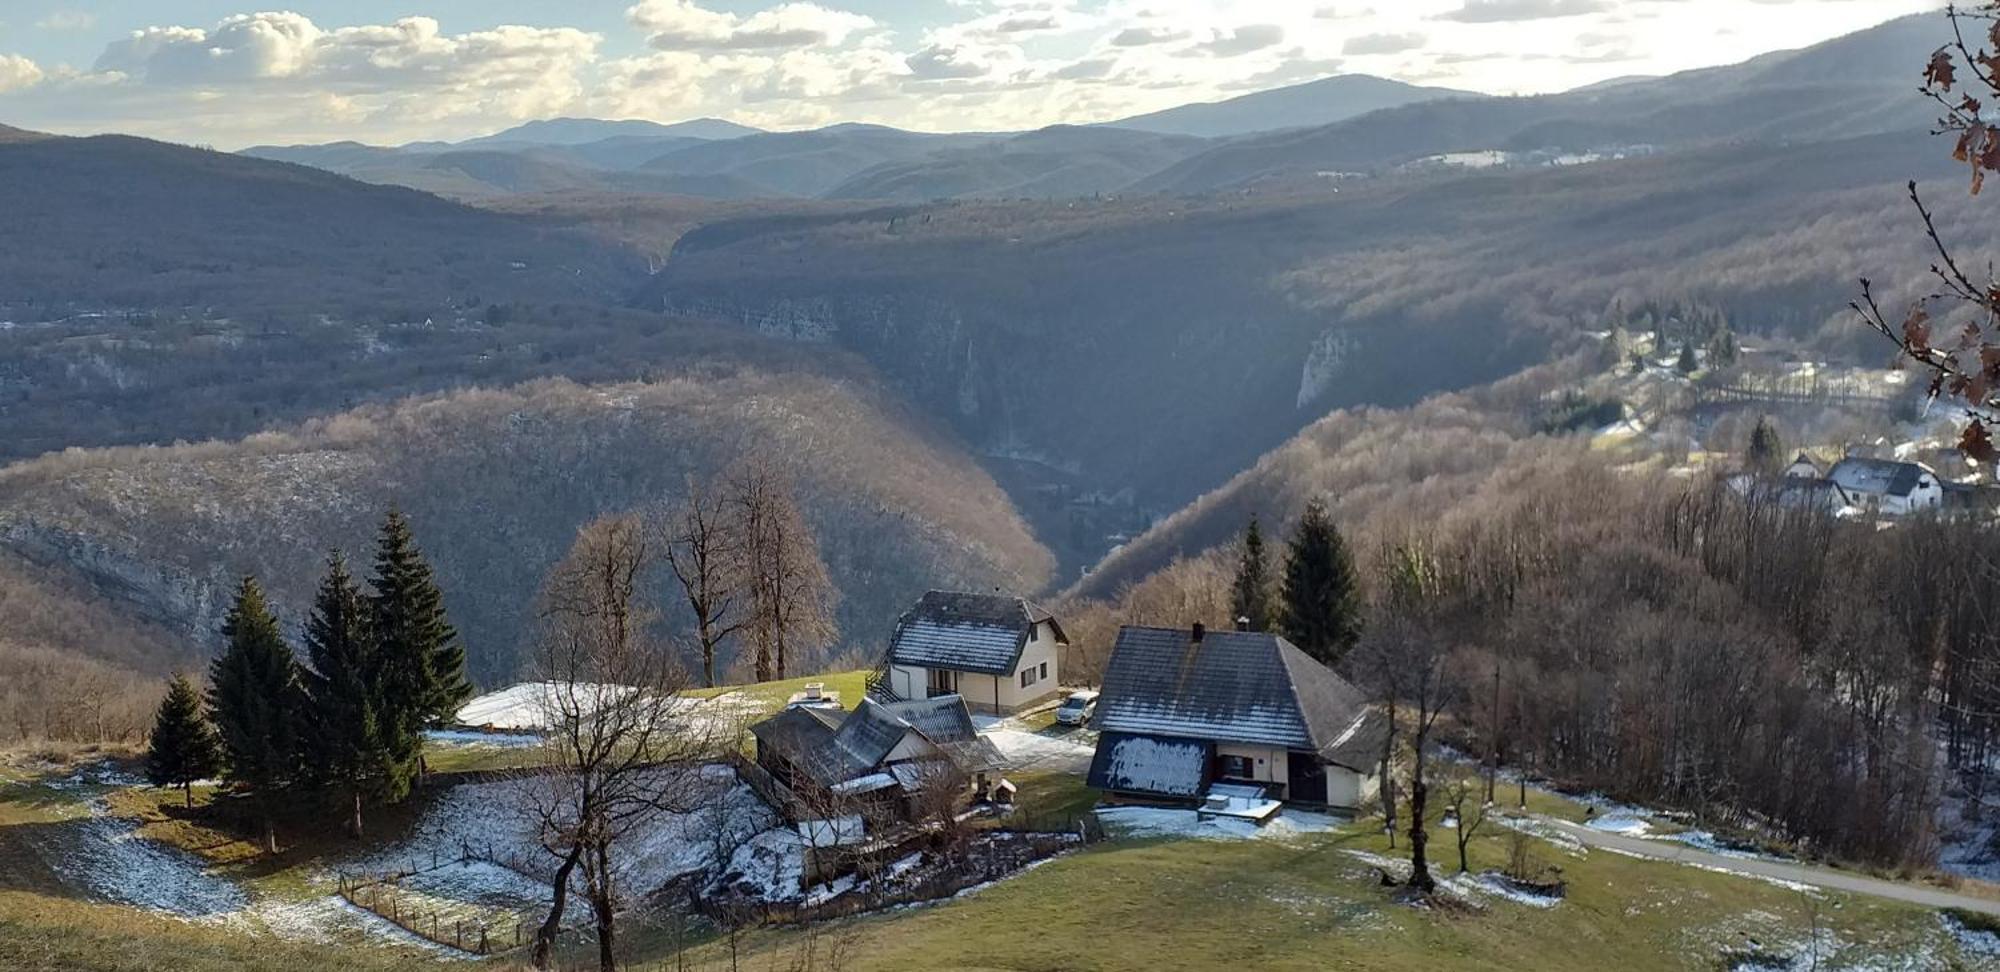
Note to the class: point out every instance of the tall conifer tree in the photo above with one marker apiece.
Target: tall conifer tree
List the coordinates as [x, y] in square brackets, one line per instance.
[421, 663]
[1320, 605]
[1250, 592]
[344, 684]
[183, 747]
[255, 699]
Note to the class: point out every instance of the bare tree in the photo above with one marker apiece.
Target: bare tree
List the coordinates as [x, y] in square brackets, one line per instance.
[1954, 332]
[624, 744]
[792, 597]
[705, 548]
[1405, 654]
[1468, 811]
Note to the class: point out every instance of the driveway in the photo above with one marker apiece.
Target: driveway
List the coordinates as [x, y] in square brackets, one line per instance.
[1821, 877]
[1050, 748]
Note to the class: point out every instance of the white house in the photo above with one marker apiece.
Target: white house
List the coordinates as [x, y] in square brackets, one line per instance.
[1887, 487]
[1186, 713]
[1802, 467]
[1001, 653]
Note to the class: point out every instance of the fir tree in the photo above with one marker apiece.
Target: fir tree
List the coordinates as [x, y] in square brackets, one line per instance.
[344, 687]
[254, 696]
[1766, 452]
[421, 663]
[183, 747]
[1319, 600]
[1686, 364]
[1250, 593]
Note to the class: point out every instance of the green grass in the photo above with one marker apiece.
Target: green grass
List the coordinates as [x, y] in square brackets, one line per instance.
[1269, 905]
[772, 696]
[41, 933]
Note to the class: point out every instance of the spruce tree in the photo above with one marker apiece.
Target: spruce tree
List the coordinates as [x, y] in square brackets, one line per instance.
[344, 688]
[183, 747]
[1686, 364]
[1766, 452]
[421, 663]
[1320, 605]
[1250, 593]
[254, 696]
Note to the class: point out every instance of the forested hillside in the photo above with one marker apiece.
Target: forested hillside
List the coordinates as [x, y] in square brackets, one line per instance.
[1071, 333]
[112, 221]
[497, 483]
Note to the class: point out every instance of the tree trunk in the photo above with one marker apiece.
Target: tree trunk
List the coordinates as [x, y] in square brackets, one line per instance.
[270, 834]
[1493, 752]
[600, 904]
[1388, 784]
[545, 936]
[1420, 868]
[187, 791]
[354, 824]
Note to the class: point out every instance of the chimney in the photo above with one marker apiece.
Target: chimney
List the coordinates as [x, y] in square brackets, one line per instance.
[1195, 634]
[1242, 622]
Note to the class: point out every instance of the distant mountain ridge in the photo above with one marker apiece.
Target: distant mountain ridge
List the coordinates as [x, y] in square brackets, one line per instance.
[1311, 104]
[579, 131]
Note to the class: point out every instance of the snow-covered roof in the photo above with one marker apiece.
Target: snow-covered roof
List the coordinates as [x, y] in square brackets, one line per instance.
[966, 632]
[1880, 477]
[1146, 764]
[1234, 686]
[836, 747]
[866, 784]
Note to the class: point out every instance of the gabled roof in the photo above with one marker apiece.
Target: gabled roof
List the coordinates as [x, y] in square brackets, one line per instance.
[1235, 686]
[963, 632]
[1144, 764]
[835, 747]
[1879, 477]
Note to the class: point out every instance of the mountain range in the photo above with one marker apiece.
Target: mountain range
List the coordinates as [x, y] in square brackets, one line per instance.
[1007, 301]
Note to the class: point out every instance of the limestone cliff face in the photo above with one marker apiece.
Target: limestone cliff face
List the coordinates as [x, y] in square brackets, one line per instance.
[496, 484]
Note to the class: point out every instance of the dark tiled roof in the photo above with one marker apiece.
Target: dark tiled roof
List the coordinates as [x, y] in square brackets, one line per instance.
[1149, 764]
[1359, 746]
[943, 719]
[1236, 686]
[869, 733]
[967, 632]
[833, 746]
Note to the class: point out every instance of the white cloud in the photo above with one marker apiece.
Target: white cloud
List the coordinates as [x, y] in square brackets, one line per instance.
[68, 20]
[1143, 36]
[1382, 43]
[683, 25]
[1497, 11]
[17, 73]
[1241, 40]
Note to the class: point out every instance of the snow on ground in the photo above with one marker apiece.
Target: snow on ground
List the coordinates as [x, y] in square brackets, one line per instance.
[1621, 823]
[473, 737]
[1470, 888]
[1537, 827]
[526, 707]
[1168, 822]
[107, 857]
[1069, 752]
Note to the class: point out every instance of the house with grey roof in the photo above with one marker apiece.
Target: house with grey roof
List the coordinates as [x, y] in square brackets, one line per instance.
[1184, 709]
[1000, 653]
[1887, 487]
[880, 757]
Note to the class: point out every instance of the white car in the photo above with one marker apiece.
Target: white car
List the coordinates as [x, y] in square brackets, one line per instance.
[1077, 709]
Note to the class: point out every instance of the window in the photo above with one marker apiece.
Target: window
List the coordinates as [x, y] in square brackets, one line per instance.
[1043, 673]
[1027, 677]
[1234, 767]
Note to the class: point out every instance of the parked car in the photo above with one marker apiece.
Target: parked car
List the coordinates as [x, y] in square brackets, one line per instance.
[1078, 708]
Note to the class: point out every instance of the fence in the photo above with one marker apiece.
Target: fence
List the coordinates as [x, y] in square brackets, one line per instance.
[380, 893]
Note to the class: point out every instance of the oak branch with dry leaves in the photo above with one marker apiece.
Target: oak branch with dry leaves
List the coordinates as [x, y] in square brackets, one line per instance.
[1954, 331]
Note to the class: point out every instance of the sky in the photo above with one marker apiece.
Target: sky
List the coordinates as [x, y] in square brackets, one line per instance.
[226, 74]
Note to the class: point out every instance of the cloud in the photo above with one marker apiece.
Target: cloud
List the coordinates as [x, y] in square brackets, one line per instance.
[17, 73]
[937, 63]
[683, 25]
[1088, 69]
[1146, 36]
[68, 20]
[1497, 11]
[1383, 43]
[1242, 40]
